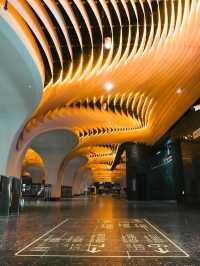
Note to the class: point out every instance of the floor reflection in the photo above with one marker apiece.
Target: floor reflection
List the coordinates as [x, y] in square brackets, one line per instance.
[181, 224]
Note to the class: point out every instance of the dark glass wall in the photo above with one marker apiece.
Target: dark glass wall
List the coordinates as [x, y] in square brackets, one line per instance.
[154, 173]
[162, 179]
[191, 171]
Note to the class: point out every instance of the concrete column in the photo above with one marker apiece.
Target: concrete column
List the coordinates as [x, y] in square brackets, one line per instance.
[37, 173]
[53, 146]
[81, 180]
[21, 85]
[70, 172]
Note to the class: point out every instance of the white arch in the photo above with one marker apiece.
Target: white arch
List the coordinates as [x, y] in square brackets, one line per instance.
[21, 86]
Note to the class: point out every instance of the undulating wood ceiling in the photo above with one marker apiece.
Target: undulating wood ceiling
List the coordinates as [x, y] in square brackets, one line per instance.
[133, 91]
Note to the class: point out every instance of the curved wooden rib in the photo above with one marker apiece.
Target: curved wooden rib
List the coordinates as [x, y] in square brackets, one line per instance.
[157, 51]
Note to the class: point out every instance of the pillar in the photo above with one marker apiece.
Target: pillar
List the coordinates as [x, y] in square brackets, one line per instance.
[21, 85]
[137, 169]
[54, 146]
[70, 171]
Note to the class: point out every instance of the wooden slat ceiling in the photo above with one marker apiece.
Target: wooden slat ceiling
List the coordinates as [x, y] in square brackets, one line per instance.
[99, 159]
[153, 65]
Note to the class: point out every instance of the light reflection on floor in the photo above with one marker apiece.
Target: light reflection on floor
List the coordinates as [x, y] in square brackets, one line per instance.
[182, 225]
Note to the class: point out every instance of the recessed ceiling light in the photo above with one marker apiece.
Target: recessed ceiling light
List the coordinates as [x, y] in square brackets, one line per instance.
[108, 43]
[179, 90]
[108, 86]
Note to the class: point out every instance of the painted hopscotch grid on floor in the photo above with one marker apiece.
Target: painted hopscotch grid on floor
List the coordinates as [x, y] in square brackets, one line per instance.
[123, 238]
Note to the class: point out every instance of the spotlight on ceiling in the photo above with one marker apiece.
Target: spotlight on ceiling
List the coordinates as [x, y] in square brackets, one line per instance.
[108, 86]
[179, 90]
[108, 43]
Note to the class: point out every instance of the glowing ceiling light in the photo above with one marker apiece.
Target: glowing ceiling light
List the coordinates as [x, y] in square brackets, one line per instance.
[108, 86]
[108, 43]
[179, 90]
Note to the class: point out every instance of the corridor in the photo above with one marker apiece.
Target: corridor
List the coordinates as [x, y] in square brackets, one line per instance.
[100, 132]
[101, 230]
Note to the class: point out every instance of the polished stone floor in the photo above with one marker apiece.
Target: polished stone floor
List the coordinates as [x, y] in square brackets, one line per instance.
[101, 230]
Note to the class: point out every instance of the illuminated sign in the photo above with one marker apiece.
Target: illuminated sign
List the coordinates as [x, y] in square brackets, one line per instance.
[196, 133]
[197, 107]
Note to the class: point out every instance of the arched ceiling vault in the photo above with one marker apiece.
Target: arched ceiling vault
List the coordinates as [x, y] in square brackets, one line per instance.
[32, 158]
[34, 164]
[99, 160]
[152, 66]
